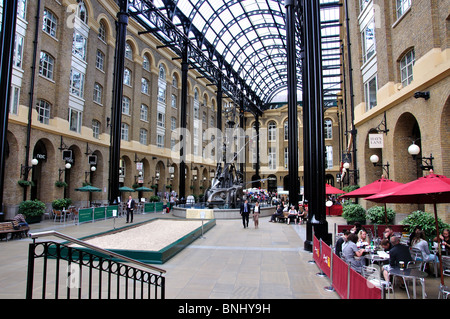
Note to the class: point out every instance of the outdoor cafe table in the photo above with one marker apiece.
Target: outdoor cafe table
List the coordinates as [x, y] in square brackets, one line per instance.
[375, 258]
[410, 274]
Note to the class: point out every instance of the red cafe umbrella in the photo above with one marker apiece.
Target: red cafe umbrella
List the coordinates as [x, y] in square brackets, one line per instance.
[430, 189]
[380, 185]
[332, 190]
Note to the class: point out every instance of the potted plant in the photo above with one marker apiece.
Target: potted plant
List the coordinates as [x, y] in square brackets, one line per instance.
[32, 210]
[25, 183]
[354, 213]
[61, 203]
[154, 199]
[377, 216]
[61, 184]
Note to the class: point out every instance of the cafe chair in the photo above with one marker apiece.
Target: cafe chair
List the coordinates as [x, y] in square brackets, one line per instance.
[416, 254]
[57, 214]
[444, 290]
[415, 264]
[446, 265]
[373, 275]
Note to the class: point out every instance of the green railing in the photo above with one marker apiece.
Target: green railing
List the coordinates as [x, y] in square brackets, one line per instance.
[100, 213]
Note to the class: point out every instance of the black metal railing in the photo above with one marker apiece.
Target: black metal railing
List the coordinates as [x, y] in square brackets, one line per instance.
[57, 270]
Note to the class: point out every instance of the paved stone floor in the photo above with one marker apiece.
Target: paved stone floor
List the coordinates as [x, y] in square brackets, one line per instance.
[229, 263]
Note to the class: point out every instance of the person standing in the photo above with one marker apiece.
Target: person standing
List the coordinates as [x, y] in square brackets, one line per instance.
[130, 208]
[245, 212]
[256, 211]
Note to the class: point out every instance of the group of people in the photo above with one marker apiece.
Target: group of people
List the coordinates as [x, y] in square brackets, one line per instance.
[290, 214]
[352, 245]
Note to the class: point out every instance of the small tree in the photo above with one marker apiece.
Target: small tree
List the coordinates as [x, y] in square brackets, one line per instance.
[354, 213]
[377, 216]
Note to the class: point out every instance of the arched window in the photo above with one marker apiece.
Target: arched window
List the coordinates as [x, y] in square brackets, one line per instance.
[50, 23]
[82, 12]
[328, 129]
[144, 85]
[286, 130]
[162, 72]
[128, 51]
[175, 82]
[127, 76]
[102, 31]
[146, 63]
[43, 110]
[272, 131]
[406, 67]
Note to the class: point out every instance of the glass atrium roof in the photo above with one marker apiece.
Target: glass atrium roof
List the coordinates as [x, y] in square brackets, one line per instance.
[246, 39]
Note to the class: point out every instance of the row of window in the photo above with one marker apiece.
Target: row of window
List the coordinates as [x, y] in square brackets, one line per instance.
[272, 130]
[369, 50]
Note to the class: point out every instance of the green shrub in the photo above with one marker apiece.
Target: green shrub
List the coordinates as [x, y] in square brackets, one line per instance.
[354, 213]
[31, 208]
[350, 188]
[424, 220]
[377, 216]
[154, 198]
[61, 203]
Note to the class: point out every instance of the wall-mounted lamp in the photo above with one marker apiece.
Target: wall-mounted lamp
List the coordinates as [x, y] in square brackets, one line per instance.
[24, 170]
[374, 159]
[427, 162]
[61, 170]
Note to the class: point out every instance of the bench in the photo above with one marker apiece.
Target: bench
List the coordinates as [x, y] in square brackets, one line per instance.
[13, 228]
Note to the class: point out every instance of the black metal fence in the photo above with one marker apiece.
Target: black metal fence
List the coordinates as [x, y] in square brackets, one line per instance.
[57, 270]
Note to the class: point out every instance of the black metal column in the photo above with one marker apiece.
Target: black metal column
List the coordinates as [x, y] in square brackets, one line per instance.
[7, 37]
[294, 186]
[220, 137]
[258, 158]
[183, 108]
[313, 96]
[116, 109]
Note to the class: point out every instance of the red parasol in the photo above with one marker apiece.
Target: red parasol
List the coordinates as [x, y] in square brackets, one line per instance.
[430, 189]
[380, 185]
[332, 190]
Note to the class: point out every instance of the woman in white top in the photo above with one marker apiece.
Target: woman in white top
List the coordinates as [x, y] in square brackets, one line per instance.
[256, 211]
[420, 243]
[363, 239]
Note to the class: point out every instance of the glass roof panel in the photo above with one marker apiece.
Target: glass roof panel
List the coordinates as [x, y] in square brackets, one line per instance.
[251, 37]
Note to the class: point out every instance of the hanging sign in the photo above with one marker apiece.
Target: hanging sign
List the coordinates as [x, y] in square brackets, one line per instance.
[375, 140]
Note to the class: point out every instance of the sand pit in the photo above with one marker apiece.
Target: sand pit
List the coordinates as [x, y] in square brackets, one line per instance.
[152, 236]
[151, 242]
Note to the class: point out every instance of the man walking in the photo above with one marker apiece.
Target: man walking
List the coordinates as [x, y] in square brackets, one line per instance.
[130, 208]
[245, 212]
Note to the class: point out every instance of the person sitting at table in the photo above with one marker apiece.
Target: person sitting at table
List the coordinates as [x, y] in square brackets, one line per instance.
[351, 253]
[356, 228]
[445, 241]
[278, 213]
[385, 244]
[398, 252]
[420, 243]
[363, 239]
[388, 233]
[302, 213]
[292, 215]
[340, 242]
[411, 236]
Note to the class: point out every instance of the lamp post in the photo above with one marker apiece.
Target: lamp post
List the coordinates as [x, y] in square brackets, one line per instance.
[426, 162]
[374, 159]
